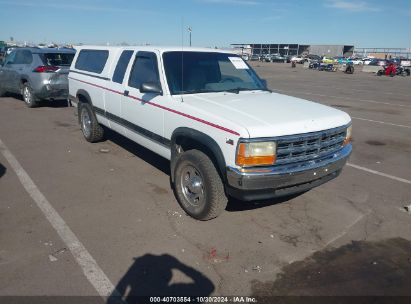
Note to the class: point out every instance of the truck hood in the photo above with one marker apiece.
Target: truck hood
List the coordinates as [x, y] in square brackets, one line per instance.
[265, 114]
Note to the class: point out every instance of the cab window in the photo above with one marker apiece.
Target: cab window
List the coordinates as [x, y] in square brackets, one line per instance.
[144, 70]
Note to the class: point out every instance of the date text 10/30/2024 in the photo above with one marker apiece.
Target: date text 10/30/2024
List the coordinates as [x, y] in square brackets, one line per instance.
[234, 299]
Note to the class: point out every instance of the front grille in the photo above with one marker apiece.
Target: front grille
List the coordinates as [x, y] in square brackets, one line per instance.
[305, 147]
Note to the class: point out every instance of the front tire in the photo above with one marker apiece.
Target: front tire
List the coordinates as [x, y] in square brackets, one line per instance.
[28, 96]
[92, 130]
[198, 186]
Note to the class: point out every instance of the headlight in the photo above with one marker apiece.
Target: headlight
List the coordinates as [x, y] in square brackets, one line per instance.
[256, 154]
[348, 136]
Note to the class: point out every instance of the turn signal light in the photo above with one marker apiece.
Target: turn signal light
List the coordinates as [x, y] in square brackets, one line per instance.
[348, 136]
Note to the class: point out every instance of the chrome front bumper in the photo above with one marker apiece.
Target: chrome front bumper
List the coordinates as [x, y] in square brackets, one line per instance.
[282, 180]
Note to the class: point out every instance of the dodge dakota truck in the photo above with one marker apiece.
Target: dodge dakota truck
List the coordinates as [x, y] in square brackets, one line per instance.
[209, 113]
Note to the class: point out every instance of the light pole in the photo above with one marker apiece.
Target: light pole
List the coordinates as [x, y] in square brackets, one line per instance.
[190, 30]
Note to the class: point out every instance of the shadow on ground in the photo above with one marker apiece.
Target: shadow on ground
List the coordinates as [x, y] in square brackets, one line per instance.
[358, 269]
[235, 205]
[151, 275]
[141, 152]
[58, 103]
[2, 170]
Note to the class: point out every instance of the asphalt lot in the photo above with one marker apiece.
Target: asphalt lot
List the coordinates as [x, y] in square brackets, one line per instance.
[350, 236]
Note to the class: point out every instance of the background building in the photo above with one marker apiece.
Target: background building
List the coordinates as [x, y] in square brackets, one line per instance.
[294, 49]
[384, 52]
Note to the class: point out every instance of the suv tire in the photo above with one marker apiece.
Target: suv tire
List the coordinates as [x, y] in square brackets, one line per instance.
[92, 130]
[198, 186]
[28, 96]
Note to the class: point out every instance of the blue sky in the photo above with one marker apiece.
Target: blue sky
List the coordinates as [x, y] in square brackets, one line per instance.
[214, 22]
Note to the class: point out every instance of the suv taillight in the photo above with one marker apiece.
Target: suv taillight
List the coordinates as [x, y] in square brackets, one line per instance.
[45, 69]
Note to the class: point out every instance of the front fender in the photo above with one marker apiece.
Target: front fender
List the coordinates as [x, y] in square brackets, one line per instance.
[203, 139]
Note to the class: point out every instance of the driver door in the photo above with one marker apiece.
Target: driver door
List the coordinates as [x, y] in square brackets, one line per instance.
[142, 111]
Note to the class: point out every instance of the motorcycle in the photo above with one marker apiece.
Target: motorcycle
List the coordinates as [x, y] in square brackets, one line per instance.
[314, 64]
[402, 71]
[394, 70]
[329, 67]
[348, 68]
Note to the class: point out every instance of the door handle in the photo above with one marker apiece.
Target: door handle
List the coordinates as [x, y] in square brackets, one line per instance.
[126, 93]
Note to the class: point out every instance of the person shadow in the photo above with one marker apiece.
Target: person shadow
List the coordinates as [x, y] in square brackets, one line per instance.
[2, 170]
[151, 275]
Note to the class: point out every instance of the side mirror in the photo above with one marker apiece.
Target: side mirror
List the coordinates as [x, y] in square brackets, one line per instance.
[151, 87]
[264, 82]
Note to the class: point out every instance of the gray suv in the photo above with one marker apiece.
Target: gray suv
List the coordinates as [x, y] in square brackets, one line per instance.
[36, 74]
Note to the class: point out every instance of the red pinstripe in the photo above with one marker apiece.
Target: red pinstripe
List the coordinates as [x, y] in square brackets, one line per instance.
[164, 108]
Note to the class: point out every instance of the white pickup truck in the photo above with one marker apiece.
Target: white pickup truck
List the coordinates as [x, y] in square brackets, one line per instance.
[208, 112]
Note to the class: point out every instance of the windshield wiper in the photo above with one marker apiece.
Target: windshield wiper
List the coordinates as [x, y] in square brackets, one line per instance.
[195, 91]
[236, 90]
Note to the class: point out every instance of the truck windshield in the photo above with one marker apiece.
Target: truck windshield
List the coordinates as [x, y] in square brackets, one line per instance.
[203, 72]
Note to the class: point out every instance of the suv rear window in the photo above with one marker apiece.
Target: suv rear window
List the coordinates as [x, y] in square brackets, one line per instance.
[57, 59]
[92, 60]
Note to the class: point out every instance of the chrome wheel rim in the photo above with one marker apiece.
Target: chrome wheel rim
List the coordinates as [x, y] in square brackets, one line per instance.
[85, 122]
[27, 95]
[192, 186]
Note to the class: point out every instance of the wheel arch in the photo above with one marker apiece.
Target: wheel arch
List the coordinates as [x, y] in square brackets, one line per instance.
[82, 97]
[188, 139]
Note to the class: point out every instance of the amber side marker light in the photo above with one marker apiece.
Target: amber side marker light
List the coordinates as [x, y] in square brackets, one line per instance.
[348, 136]
[256, 154]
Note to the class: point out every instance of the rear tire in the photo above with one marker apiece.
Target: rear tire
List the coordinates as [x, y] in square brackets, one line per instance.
[28, 96]
[198, 186]
[92, 130]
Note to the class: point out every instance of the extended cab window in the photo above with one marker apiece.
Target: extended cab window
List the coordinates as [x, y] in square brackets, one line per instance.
[122, 66]
[92, 60]
[144, 70]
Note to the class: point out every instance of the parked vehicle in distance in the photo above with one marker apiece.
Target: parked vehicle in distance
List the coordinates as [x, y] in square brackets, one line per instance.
[378, 62]
[298, 59]
[36, 74]
[209, 113]
[357, 61]
[341, 60]
[367, 61]
[312, 57]
[278, 58]
[406, 62]
[254, 57]
[266, 57]
[328, 60]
